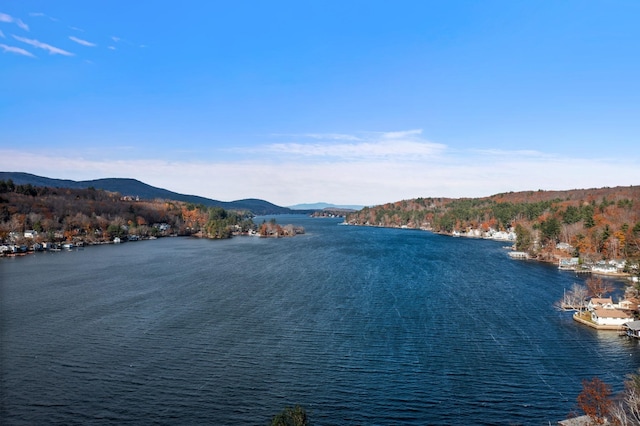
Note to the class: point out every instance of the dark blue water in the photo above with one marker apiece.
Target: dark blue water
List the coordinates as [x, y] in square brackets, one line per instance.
[361, 326]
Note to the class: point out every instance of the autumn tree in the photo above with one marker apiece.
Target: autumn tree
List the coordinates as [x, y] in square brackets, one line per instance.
[597, 286]
[595, 400]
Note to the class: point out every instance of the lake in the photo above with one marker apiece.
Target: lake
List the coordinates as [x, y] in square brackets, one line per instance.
[360, 326]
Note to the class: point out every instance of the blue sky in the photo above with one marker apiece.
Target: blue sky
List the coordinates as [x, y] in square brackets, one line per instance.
[346, 102]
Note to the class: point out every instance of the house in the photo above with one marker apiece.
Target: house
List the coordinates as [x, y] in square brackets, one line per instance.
[604, 268]
[30, 233]
[628, 305]
[600, 302]
[577, 421]
[610, 316]
[564, 247]
[518, 255]
[568, 264]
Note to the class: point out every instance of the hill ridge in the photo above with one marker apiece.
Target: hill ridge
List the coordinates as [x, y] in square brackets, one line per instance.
[134, 187]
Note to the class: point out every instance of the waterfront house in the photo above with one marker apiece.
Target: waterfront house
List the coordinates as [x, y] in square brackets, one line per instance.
[628, 305]
[606, 268]
[600, 302]
[610, 316]
[577, 421]
[518, 255]
[569, 264]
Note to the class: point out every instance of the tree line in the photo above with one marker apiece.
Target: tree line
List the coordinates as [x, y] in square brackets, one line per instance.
[92, 215]
[599, 223]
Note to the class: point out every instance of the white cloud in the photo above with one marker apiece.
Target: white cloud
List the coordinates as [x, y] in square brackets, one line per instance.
[116, 39]
[51, 49]
[332, 136]
[392, 145]
[361, 151]
[82, 42]
[372, 179]
[2, 34]
[405, 134]
[16, 50]
[10, 19]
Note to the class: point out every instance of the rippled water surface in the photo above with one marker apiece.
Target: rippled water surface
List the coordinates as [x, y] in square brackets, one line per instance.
[361, 326]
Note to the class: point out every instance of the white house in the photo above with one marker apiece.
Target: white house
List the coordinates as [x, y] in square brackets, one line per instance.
[604, 316]
[564, 246]
[600, 302]
[568, 264]
[30, 233]
[628, 305]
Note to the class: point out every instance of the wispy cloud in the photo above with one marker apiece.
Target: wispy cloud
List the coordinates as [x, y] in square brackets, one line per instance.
[11, 20]
[16, 50]
[40, 45]
[393, 146]
[117, 39]
[42, 15]
[332, 136]
[82, 42]
[404, 134]
[2, 34]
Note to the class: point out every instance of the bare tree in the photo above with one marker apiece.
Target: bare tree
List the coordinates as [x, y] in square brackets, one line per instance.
[626, 412]
[574, 298]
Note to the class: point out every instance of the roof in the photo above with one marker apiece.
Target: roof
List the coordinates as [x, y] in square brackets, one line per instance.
[611, 313]
[601, 300]
[577, 421]
[633, 325]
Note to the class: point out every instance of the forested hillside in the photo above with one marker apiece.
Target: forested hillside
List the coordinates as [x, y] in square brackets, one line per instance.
[599, 223]
[92, 215]
[135, 188]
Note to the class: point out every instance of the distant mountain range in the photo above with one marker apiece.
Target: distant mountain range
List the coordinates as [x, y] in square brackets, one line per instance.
[134, 188]
[322, 206]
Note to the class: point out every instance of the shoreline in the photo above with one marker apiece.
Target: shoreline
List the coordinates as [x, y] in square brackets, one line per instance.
[576, 317]
[480, 237]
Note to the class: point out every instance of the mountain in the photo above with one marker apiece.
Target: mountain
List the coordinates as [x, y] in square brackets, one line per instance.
[321, 206]
[134, 188]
